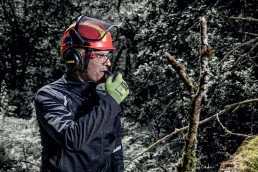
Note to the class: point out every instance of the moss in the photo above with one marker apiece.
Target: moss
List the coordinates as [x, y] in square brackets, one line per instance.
[246, 157]
[187, 162]
[210, 52]
[247, 154]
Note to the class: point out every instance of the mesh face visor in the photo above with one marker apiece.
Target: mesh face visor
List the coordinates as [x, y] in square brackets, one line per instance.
[96, 29]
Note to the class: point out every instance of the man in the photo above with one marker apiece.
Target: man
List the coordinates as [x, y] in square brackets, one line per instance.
[79, 123]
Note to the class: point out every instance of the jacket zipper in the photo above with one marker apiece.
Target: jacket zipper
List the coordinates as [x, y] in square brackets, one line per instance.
[58, 162]
[102, 149]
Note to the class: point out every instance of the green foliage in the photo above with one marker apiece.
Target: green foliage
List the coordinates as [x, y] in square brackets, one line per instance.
[26, 44]
[20, 145]
[5, 108]
[247, 154]
[30, 35]
[5, 162]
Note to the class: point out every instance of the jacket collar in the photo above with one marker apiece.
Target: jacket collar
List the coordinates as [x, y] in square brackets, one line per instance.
[71, 79]
[77, 86]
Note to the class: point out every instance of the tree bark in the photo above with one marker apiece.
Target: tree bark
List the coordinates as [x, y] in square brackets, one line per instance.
[188, 161]
[180, 69]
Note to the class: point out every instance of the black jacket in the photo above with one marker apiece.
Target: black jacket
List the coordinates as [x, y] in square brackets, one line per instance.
[80, 127]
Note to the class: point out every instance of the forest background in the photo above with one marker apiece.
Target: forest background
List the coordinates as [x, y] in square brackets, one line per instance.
[30, 39]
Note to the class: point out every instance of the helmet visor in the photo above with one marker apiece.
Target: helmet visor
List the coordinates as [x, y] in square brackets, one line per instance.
[95, 30]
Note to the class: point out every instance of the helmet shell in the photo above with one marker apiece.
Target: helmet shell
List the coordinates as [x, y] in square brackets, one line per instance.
[90, 30]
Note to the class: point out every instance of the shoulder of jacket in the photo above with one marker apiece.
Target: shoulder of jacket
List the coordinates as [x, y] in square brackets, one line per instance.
[53, 89]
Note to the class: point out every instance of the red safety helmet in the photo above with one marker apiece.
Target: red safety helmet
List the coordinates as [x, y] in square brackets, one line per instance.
[90, 33]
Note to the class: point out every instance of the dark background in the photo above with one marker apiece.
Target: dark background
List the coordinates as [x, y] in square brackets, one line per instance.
[30, 39]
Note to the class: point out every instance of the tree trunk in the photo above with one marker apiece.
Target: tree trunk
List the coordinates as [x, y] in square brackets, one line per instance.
[188, 160]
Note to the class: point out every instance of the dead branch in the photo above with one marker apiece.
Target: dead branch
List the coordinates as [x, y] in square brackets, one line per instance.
[27, 162]
[203, 43]
[157, 142]
[244, 102]
[246, 19]
[252, 34]
[163, 168]
[188, 160]
[226, 109]
[206, 53]
[230, 52]
[255, 45]
[165, 109]
[25, 157]
[250, 58]
[247, 54]
[180, 69]
[229, 132]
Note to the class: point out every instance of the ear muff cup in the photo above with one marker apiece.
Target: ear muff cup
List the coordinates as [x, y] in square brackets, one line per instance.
[73, 59]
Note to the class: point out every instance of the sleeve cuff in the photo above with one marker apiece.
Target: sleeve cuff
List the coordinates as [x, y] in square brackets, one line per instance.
[113, 102]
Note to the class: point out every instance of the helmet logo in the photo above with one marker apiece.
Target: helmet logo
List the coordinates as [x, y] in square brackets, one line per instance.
[70, 61]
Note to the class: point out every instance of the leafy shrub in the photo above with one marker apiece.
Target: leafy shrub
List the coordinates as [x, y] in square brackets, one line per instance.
[20, 144]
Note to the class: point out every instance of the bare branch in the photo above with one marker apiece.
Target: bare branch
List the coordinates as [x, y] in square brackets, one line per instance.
[27, 162]
[226, 109]
[203, 43]
[25, 158]
[252, 34]
[157, 142]
[180, 69]
[163, 168]
[188, 160]
[244, 102]
[255, 45]
[229, 132]
[246, 19]
[205, 52]
[230, 52]
[250, 58]
[165, 109]
[247, 54]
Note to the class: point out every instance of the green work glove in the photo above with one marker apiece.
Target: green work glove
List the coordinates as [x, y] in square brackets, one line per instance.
[118, 88]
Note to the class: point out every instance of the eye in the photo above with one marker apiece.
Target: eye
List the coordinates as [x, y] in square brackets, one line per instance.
[102, 55]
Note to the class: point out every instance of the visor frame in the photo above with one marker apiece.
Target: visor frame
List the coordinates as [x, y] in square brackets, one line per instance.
[76, 28]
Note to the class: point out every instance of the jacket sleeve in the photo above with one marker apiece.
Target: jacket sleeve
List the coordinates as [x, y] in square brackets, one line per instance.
[117, 156]
[72, 134]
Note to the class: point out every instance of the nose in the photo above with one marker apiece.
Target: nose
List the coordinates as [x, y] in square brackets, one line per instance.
[107, 62]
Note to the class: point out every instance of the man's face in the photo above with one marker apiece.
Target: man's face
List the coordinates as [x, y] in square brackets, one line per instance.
[98, 66]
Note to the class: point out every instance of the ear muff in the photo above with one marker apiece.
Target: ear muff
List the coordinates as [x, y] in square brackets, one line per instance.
[73, 59]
